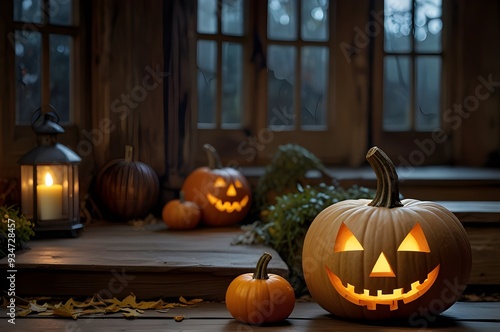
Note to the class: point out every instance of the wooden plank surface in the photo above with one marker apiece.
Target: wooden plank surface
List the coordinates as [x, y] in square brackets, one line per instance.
[438, 183]
[474, 211]
[149, 261]
[307, 316]
[485, 244]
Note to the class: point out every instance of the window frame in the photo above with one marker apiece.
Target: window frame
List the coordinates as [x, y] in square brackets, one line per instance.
[256, 143]
[18, 139]
[416, 148]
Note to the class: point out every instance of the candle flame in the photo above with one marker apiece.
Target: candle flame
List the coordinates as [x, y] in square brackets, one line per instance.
[48, 180]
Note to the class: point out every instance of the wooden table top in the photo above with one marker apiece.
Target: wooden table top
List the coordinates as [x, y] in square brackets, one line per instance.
[307, 316]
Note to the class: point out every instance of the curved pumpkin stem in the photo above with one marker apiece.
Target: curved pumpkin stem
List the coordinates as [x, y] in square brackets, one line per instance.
[213, 157]
[261, 269]
[181, 196]
[129, 153]
[387, 194]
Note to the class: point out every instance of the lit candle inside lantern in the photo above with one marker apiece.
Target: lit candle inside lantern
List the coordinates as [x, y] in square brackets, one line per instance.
[49, 199]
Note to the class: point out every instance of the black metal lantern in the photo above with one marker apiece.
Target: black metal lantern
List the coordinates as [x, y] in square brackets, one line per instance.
[49, 179]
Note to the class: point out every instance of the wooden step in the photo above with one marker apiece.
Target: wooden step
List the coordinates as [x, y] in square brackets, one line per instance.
[150, 261]
[306, 316]
[437, 183]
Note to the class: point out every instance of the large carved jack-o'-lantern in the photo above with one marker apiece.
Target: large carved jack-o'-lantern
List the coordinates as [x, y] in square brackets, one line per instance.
[386, 258]
[222, 193]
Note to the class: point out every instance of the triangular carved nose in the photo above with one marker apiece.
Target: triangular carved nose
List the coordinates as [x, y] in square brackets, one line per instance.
[382, 268]
[231, 191]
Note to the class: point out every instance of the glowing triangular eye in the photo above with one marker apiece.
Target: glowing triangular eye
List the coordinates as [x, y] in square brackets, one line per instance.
[219, 182]
[415, 241]
[238, 184]
[346, 241]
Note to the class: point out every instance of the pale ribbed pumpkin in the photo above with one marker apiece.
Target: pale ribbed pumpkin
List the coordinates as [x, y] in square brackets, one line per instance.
[128, 189]
[386, 258]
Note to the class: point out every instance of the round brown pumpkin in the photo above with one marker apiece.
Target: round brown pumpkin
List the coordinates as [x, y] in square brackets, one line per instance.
[128, 189]
[222, 193]
[386, 258]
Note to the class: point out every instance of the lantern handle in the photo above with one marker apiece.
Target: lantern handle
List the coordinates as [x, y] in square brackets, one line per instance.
[38, 113]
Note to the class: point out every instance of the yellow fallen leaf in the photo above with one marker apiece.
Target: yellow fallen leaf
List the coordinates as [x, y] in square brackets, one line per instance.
[64, 311]
[131, 313]
[112, 308]
[190, 302]
[23, 313]
[94, 301]
[94, 311]
[129, 301]
[33, 306]
[178, 318]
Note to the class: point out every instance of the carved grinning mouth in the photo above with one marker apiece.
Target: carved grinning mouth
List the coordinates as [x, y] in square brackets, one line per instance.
[227, 206]
[391, 299]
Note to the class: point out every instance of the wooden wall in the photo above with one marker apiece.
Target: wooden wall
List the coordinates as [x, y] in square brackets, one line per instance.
[127, 80]
[478, 41]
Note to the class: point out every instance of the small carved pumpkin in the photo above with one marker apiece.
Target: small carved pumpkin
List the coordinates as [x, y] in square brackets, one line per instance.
[222, 193]
[386, 258]
[259, 297]
[128, 189]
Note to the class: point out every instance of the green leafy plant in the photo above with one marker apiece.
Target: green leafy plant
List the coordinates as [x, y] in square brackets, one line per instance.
[23, 228]
[287, 169]
[288, 220]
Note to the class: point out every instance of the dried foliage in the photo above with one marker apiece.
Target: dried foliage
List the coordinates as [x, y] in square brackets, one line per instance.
[129, 306]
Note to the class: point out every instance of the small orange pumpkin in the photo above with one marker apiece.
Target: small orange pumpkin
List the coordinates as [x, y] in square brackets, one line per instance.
[181, 214]
[222, 193]
[258, 298]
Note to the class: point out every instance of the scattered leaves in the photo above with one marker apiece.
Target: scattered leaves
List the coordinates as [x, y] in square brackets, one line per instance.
[191, 302]
[95, 305]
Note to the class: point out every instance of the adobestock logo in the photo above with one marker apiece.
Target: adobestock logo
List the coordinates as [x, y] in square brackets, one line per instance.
[252, 145]
[362, 38]
[454, 117]
[51, 9]
[448, 296]
[115, 285]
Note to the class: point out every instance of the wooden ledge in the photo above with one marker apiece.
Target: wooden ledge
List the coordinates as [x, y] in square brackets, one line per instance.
[307, 316]
[150, 261]
[438, 183]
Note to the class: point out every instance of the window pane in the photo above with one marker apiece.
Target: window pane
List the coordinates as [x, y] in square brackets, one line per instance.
[232, 71]
[28, 11]
[207, 81]
[280, 87]
[397, 96]
[314, 19]
[60, 73]
[28, 75]
[282, 19]
[397, 25]
[428, 89]
[428, 25]
[207, 16]
[314, 74]
[232, 17]
[61, 12]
